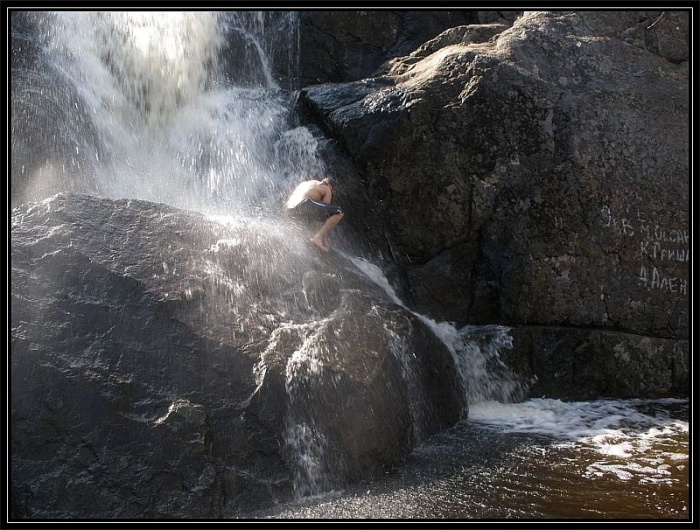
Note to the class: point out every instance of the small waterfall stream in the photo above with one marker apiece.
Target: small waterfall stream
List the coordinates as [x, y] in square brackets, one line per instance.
[476, 349]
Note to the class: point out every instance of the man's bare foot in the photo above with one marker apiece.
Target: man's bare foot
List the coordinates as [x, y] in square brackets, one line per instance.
[319, 243]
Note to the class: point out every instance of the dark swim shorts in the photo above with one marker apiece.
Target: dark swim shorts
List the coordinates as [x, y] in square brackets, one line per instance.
[308, 210]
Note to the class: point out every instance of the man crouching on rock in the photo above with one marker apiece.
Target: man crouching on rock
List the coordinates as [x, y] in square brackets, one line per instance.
[311, 201]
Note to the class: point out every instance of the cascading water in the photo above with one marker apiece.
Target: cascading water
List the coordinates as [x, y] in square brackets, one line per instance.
[161, 106]
[191, 109]
[475, 349]
[304, 437]
[538, 458]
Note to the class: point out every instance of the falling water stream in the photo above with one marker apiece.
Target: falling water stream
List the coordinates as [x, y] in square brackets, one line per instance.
[173, 107]
[193, 109]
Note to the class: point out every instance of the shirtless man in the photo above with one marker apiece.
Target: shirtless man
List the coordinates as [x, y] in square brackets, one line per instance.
[311, 201]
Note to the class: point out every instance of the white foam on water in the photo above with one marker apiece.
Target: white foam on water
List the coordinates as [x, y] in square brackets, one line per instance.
[627, 439]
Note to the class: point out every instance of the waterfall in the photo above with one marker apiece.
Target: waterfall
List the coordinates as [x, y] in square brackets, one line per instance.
[185, 108]
[192, 109]
[476, 350]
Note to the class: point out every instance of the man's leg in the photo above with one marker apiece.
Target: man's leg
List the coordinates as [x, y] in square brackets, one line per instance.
[320, 239]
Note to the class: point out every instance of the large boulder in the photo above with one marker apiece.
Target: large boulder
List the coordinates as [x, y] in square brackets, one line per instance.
[528, 171]
[168, 365]
[533, 174]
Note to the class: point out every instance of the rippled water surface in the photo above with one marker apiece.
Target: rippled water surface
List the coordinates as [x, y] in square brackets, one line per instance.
[543, 459]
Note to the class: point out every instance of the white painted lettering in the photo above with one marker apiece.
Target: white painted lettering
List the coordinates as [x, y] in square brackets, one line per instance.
[643, 247]
[657, 244]
[643, 275]
[672, 284]
[627, 228]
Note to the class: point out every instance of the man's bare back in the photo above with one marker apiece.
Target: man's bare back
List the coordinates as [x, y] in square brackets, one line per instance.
[315, 190]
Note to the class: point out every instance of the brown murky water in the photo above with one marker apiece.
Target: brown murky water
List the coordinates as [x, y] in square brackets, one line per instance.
[637, 471]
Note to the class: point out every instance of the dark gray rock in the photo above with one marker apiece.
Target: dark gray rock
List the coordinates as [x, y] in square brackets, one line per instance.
[529, 171]
[584, 364]
[537, 177]
[165, 365]
[340, 45]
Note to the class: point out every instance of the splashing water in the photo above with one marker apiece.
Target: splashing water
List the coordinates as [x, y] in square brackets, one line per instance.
[303, 436]
[606, 458]
[475, 349]
[183, 108]
[194, 110]
[631, 441]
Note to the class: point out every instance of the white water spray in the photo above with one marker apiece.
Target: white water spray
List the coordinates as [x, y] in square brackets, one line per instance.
[303, 436]
[175, 116]
[475, 349]
[183, 108]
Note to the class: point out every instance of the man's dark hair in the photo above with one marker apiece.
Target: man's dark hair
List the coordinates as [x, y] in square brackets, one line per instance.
[330, 181]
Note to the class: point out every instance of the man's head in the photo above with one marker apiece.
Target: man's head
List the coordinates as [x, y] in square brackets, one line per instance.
[330, 181]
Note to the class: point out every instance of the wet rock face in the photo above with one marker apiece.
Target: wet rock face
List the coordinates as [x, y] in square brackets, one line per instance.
[166, 365]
